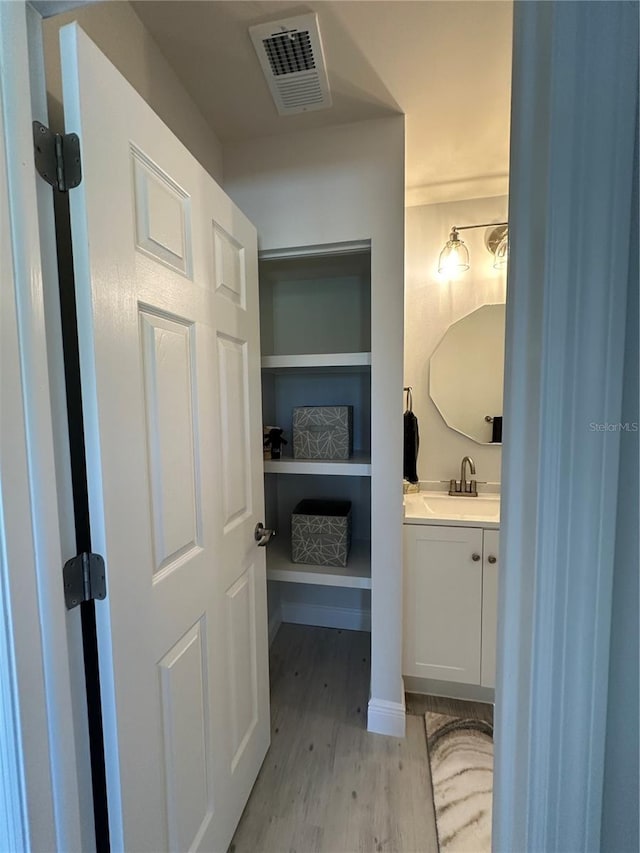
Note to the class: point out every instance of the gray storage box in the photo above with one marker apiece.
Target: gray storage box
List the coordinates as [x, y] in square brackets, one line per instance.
[321, 532]
[323, 432]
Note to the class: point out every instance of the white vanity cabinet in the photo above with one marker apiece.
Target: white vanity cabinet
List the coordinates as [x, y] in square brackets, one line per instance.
[450, 590]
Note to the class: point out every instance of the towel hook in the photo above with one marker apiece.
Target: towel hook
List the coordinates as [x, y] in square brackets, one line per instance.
[408, 391]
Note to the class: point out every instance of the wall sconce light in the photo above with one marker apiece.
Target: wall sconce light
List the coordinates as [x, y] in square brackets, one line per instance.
[454, 258]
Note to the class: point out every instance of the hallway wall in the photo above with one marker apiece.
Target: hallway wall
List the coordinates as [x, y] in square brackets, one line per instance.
[123, 38]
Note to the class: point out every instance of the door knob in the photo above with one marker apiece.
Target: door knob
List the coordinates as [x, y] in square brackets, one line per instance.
[262, 535]
[492, 559]
[475, 557]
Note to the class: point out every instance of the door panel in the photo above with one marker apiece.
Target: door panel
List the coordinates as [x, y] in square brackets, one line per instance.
[163, 215]
[242, 662]
[166, 277]
[236, 451]
[169, 382]
[186, 756]
[230, 267]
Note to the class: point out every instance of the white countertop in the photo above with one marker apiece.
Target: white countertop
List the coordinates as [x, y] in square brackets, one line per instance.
[441, 508]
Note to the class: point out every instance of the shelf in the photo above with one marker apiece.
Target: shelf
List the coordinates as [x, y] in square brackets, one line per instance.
[318, 304]
[317, 360]
[357, 574]
[358, 466]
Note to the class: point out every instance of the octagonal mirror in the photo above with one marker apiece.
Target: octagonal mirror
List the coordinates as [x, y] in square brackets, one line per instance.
[466, 373]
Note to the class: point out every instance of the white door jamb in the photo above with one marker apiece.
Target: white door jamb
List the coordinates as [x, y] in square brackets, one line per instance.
[36, 729]
[574, 102]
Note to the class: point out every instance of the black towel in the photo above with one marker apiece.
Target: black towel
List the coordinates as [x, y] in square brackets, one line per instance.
[411, 442]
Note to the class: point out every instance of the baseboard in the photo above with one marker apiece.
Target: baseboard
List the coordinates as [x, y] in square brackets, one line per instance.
[275, 621]
[303, 613]
[386, 718]
[448, 689]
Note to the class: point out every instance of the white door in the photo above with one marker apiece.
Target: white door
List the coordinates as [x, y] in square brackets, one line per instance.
[166, 281]
[442, 602]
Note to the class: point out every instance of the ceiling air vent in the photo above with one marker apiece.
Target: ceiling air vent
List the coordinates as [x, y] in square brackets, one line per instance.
[290, 53]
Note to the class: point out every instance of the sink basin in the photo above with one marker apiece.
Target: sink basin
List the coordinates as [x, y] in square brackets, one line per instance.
[447, 506]
[436, 506]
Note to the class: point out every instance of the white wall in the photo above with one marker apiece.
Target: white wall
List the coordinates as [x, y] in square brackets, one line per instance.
[338, 184]
[121, 35]
[432, 304]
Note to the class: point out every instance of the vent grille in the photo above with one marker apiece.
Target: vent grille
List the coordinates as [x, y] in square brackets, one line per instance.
[304, 90]
[289, 52]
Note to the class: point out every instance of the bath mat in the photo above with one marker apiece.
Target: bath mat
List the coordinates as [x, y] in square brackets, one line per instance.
[461, 759]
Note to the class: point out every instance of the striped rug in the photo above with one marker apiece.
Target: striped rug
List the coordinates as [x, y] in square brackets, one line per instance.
[461, 759]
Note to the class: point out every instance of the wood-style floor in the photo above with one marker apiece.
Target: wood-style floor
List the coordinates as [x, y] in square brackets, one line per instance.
[418, 704]
[327, 785]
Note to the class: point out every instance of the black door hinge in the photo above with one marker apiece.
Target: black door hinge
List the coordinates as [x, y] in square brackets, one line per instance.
[57, 157]
[84, 579]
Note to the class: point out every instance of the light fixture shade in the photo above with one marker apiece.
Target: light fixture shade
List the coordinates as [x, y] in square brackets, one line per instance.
[454, 258]
[501, 254]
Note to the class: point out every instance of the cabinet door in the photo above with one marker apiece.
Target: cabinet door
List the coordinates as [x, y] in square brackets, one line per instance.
[442, 602]
[490, 565]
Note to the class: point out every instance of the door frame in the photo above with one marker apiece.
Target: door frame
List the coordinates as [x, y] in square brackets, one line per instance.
[37, 738]
[541, 624]
[574, 87]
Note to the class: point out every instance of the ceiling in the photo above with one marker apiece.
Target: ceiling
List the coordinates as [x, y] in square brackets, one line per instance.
[446, 65]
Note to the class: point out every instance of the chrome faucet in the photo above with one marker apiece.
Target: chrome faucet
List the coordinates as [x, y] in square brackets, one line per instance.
[472, 471]
[465, 488]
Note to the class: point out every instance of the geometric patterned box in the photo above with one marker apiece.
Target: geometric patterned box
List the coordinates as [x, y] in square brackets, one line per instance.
[321, 532]
[323, 432]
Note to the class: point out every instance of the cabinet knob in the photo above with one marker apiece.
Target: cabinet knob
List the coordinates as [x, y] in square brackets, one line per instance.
[475, 557]
[492, 559]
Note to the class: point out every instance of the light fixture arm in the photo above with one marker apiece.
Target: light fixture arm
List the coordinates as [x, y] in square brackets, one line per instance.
[482, 225]
[492, 238]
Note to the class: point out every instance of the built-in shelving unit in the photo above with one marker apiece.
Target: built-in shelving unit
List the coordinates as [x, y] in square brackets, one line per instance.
[317, 361]
[357, 575]
[359, 465]
[315, 326]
